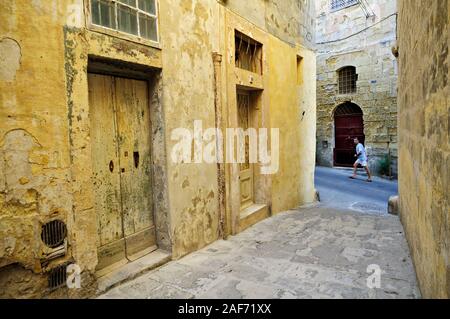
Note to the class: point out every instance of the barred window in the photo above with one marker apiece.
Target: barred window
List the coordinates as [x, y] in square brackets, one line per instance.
[341, 4]
[136, 17]
[347, 80]
[248, 55]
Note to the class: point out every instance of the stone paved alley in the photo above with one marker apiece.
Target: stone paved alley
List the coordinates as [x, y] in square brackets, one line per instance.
[311, 252]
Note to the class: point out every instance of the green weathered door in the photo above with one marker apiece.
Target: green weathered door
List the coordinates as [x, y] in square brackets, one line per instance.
[134, 135]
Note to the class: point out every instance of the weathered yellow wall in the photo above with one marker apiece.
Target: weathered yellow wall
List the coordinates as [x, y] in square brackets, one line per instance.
[284, 101]
[424, 145]
[45, 149]
[308, 115]
[292, 107]
[284, 105]
[45, 153]
[294, 114]
[34, 149]
[189, 95]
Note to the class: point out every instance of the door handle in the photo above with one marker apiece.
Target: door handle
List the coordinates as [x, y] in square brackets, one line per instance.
[111, 166]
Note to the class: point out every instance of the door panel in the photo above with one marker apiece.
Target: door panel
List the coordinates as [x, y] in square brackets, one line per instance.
[105, 165]
[347, 127]
[134, 146]
[120, 132]
[246, 175]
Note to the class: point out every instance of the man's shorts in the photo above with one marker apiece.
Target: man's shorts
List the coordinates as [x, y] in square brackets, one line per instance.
[362, 163]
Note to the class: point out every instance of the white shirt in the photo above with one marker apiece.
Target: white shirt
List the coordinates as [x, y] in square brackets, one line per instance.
[362, 152]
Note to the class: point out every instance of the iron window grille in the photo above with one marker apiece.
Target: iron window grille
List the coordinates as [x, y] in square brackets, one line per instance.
[135, 17]
[347, 80]
[248, 55]
[342, 4]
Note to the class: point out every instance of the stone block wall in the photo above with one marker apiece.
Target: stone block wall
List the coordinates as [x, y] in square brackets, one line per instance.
[424, 139]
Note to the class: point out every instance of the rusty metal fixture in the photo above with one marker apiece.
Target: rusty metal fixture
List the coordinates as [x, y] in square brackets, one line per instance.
[57, 277]
[54, 233]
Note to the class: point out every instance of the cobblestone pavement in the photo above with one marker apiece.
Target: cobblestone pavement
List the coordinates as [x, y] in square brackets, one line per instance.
[313, 252]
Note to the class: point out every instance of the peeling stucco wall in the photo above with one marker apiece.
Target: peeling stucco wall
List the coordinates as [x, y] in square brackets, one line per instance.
[189, 95]
[290, 21]
[45, 154]
[10, 57]
[34, 150]
[424, 140]
[347, 37]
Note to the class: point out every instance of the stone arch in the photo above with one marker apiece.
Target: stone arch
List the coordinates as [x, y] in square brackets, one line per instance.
[345, 65]
[347, 107]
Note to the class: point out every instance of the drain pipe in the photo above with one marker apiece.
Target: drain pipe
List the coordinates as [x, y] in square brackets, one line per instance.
[217, 60]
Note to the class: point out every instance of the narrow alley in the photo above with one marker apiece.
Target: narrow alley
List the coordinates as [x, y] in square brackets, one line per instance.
[319, 251]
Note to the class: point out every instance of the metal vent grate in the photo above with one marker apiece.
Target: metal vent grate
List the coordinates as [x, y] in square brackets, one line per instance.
[57, 277]
[54, 233]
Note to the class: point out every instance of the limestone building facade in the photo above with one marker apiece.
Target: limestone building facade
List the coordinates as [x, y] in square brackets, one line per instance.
[356, 82]
[424, 139]
[92, 93]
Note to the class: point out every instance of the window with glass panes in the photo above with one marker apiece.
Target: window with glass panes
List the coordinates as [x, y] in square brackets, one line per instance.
[136, 17]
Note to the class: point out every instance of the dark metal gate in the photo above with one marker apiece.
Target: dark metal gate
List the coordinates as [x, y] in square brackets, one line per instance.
[348, 124]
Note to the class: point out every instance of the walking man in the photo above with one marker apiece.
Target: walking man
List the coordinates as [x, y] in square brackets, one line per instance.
[362, 160]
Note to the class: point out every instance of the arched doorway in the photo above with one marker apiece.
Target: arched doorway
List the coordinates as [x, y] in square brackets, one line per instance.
[348, 124]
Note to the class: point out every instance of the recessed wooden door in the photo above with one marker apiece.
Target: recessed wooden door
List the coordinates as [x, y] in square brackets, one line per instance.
[246, 173]
[121, 153]
[349, 123]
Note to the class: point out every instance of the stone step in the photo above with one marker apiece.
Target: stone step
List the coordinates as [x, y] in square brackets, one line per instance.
[133, 269]
[252, 215]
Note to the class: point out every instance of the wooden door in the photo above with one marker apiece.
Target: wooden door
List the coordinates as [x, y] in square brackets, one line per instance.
[134, 136]
[105, 166]
[347, 127]
[246, 173]
[120, 134]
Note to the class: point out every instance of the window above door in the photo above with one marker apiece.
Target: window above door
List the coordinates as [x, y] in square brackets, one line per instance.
[135, 19]
[347, 80]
